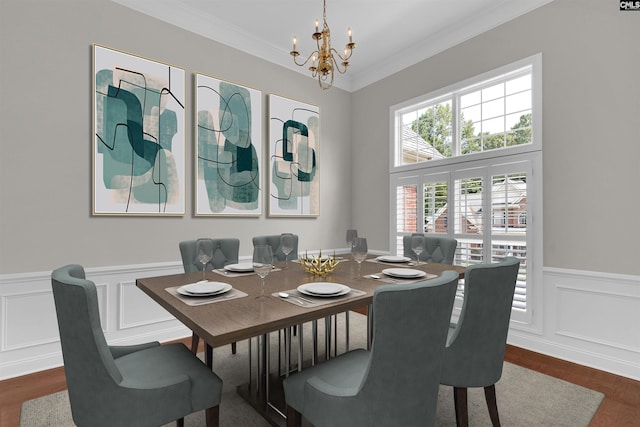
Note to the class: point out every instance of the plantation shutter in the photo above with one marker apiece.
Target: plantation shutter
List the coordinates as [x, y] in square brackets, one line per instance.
[484, 208]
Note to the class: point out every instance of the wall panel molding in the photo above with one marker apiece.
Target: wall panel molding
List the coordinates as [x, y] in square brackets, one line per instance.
[590, 318]
[15, 309]
[610, 312]
[137, 309]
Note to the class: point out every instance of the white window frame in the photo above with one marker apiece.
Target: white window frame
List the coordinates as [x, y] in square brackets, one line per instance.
[491, 162]
[452, 91]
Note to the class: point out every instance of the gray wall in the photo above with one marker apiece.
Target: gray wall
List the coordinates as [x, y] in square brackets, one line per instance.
[591, 127]
[46, 134]
[591, 134]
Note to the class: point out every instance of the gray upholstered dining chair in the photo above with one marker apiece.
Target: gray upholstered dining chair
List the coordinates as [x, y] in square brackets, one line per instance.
[394, 384]
[225, 251]
[138, 385]
[274, 242]
[438, 249]
[476, 344]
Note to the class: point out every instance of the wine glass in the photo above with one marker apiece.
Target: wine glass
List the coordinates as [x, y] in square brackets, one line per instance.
[352, 235]
[204, 253]
[359, 252]
[262, 264]
[417, 246]
[286, 246]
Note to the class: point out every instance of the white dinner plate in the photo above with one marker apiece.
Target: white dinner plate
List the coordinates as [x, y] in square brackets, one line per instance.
[204, 289]
[323, 289]
[242, 267]
[393, 258]
[405, 273]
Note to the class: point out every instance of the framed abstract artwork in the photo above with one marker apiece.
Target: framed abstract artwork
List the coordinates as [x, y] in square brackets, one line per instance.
[138, 135]
[228, 148]
[294, 175]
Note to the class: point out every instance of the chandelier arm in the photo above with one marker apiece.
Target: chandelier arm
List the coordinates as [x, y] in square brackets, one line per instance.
[337, 65]
[301, 64]
[341, 56]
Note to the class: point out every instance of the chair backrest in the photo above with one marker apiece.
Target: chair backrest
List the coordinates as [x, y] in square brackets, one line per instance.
[89, 366]
[475, 348]
[225, 251]
[438, 249]
[274, 242]
[410, 331]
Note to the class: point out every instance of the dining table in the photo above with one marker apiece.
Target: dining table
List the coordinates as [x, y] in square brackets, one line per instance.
[239, 314]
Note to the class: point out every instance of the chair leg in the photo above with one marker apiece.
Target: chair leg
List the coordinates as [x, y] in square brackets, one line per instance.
[233, 348]
[460, 403]
[213, 416]
[492, 404]
[195, 340]
[208, 355]
[180, 422]
[294, 418]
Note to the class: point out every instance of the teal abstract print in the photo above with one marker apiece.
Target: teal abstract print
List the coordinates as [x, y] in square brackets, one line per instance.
[229, 149]
[139, 135]
[294, 181]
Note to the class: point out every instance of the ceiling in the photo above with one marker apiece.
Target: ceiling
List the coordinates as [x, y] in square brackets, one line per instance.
[390, 34]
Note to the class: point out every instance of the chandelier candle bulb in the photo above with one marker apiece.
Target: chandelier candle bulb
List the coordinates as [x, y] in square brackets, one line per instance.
[313, 63]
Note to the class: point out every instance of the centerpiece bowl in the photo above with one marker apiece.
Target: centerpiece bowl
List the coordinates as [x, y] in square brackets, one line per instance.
[319, 265]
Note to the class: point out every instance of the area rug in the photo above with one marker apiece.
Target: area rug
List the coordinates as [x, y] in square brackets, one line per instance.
[525, 397]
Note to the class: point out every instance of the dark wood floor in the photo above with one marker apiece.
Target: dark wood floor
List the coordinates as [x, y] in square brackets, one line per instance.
[620, 407]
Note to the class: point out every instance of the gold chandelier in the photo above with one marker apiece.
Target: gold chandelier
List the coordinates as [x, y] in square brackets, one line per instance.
[329, 59]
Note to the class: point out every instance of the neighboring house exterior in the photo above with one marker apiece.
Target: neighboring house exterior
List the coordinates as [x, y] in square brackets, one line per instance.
[509, 210]
[415, 149]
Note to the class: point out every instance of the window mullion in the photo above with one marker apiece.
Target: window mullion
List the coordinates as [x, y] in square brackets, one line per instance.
[455, 125]
[487, 215]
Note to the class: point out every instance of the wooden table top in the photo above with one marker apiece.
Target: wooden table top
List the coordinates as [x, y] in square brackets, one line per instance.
[233, 320]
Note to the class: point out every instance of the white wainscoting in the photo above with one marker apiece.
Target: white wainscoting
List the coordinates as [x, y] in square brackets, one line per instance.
[589, 318]
[29, 339]
[586, 317]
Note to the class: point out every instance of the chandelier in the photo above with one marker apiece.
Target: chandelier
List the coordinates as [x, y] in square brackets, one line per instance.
[328, 59]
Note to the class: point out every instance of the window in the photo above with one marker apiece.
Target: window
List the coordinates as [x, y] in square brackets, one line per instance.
[522, 219]
[496, 115]
[475, 117]
[468, 165]
[426, 132]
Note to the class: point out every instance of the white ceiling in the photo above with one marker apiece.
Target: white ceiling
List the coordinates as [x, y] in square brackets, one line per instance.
[390, 34]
